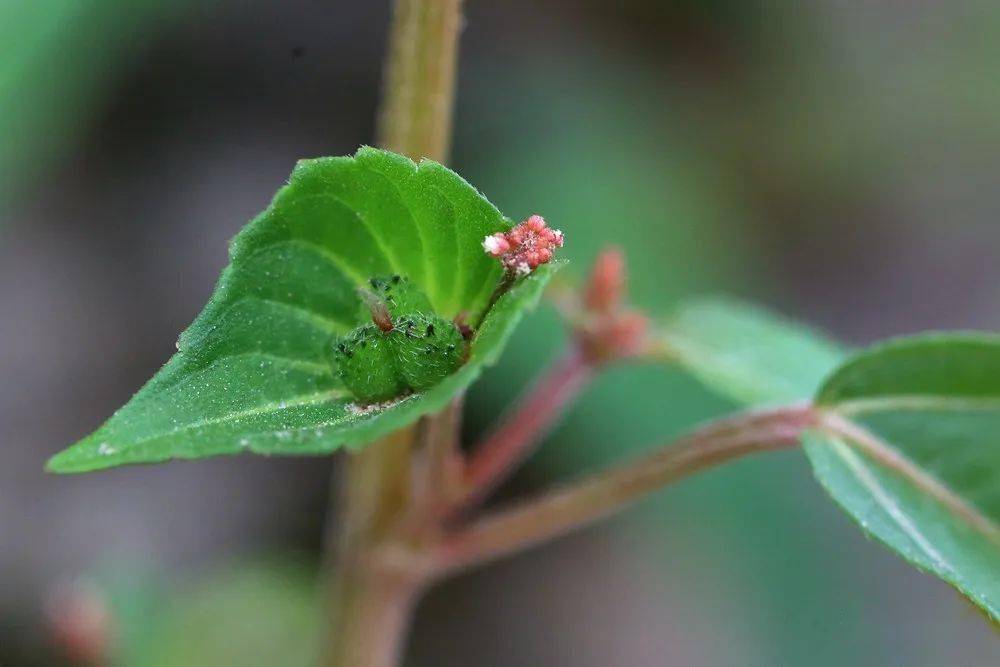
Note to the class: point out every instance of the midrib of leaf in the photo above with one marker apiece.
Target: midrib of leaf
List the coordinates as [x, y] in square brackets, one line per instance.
[916, 402]
[466, 251]
[270, 407]
[461, 263]
[450, 299]
[835, 426]
[884, 499]
[437, 224]
[390, 254]
[430, 276]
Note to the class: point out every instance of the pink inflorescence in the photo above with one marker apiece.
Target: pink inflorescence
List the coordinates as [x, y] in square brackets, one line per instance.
[525, 247]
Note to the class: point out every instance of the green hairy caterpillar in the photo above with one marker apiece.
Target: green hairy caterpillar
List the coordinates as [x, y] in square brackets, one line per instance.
[401, 345]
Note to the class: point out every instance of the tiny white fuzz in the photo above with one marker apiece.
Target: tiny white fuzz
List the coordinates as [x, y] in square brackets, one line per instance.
[492, 245]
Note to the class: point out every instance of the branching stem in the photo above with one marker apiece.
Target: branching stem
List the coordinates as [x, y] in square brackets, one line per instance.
[522, 428]
[579, 504]
[399, 525]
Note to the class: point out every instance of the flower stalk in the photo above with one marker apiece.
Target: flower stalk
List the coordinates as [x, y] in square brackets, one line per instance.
[523, 427]
[604, 331]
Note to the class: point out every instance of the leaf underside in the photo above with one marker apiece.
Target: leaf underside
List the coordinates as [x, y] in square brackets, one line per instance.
[251, 373]
[911, 450]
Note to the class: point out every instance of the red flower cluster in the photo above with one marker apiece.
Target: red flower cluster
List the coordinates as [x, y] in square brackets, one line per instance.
[525, 247]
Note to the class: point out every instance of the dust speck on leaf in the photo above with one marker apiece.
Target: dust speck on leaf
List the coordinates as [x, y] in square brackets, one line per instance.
[369, 408]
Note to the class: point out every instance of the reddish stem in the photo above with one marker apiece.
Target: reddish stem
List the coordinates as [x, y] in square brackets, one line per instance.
[522, 427]
[580, 503]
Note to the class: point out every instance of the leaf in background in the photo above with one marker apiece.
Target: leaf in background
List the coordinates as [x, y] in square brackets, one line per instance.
[911, 449]
[56, 60]
[251, 373]
[254, 614]
[748, 354]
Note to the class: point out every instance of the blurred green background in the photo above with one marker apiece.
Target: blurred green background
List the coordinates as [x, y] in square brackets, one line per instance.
[837, 161]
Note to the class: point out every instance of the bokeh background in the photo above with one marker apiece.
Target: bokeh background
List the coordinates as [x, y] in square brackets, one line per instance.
[836, 160]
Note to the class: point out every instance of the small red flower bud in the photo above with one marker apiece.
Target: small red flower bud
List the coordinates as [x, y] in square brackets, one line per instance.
[605, 328]
[535, 223]
[607, 282]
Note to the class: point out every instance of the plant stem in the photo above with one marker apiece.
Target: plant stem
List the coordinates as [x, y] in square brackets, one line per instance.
[522, 427]
[419, 85]
[585, 501]
[438, 466]
[370, 617]
[371, 596]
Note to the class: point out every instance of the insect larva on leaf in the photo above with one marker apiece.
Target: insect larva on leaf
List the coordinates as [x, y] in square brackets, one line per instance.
[401, 345]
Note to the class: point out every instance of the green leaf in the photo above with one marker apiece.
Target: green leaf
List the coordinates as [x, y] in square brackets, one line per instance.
[259, 613]
[251, 373]
[747, 353]
[57, 58]
[909, 447]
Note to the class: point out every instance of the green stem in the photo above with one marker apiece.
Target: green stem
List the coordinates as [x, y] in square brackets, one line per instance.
[375, 577]
[369, 594]
[420, 78]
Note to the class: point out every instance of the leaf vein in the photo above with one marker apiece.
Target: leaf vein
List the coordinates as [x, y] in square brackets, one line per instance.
[885, 501]
[375, 234]
[262, 409]
[889, 456]
[916, 402]
[429, 275]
